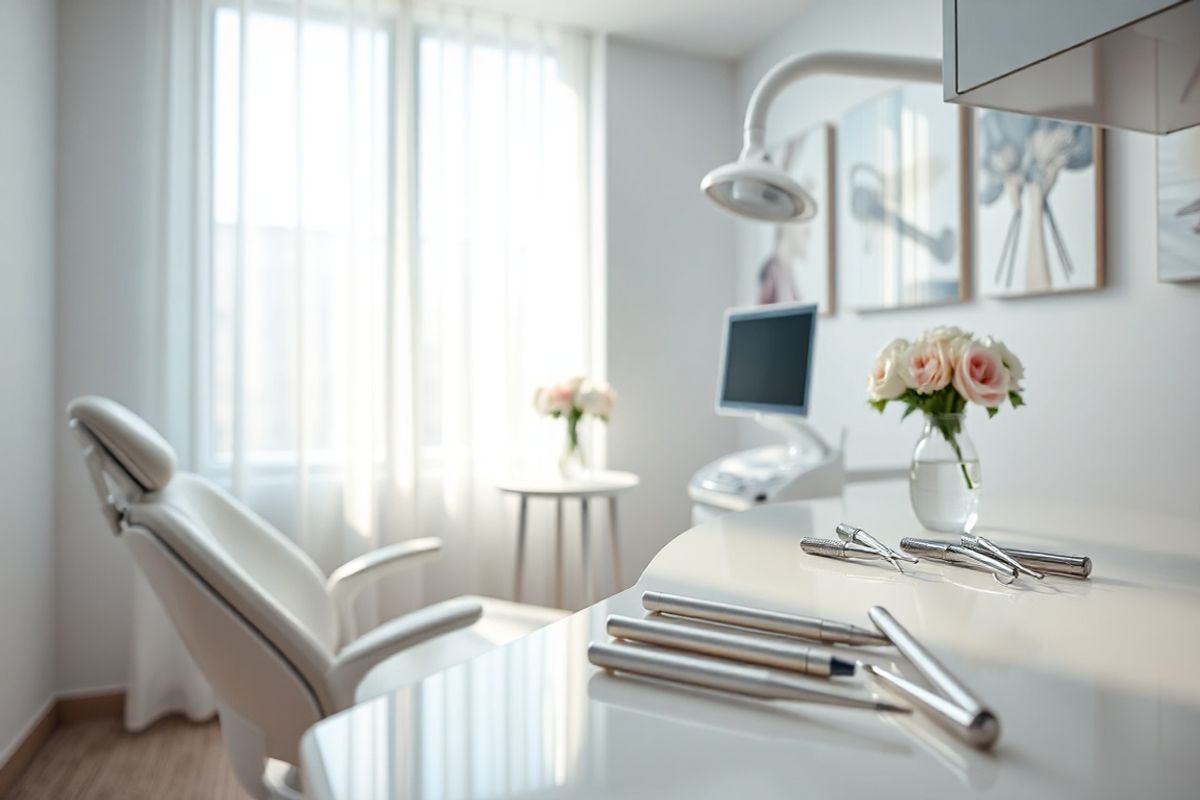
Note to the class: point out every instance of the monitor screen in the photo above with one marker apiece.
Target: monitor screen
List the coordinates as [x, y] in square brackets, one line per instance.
[767, 359]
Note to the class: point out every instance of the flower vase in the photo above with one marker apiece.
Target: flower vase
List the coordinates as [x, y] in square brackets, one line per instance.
[572, 463]
[944, 480]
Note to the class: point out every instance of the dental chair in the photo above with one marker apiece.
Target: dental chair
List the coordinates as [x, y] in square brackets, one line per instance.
[273, 636]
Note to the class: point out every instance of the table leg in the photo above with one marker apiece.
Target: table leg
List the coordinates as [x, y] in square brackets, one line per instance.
[522, 517]
[616, 547]
[584, 545]
[558, 554]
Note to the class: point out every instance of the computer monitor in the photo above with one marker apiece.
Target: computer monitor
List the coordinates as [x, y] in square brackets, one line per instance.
[766, 360]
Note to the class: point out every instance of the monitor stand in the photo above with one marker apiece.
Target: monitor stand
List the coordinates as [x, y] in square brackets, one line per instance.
[803, 466]
[804, 444]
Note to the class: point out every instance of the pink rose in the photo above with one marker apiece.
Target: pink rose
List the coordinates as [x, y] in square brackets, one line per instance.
[562, 398]
[926, 366]
[557, 399]
[980, 375]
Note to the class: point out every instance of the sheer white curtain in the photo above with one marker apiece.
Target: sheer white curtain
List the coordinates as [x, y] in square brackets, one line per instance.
[375, 240]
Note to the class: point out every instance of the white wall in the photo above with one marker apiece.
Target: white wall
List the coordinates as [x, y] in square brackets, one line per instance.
[1112, 374]
[104, 198]
[27, 407]
[671, 274]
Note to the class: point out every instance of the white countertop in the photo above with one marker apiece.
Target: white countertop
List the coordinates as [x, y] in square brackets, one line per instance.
[1093, 681]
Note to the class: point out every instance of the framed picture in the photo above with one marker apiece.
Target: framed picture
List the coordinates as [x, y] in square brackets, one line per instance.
[901, 199]
[1179, 206]
[1039, 191]
[796, 258]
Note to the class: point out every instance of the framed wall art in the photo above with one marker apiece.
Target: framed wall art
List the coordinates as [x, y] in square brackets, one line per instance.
[1039, 200]
[901, 200]
[796, 258]
[1179, 206]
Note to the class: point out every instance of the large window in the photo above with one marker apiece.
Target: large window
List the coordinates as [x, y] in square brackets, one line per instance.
[397, 237]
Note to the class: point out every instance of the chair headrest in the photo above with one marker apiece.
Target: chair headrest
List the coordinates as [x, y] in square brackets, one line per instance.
[138, 448]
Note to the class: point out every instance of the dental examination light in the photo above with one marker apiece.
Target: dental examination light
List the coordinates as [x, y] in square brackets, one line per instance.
[752, 186]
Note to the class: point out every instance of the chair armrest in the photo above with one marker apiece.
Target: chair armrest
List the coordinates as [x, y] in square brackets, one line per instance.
[355, 575]
[354, 660]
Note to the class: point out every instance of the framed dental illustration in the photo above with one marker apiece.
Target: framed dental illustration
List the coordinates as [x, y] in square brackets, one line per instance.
[794, 261]
[1039, 205]
[1179, 206]
[901, 201]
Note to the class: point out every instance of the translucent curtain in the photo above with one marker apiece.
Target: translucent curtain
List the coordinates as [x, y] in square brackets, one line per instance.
[303, 117]
[501, 238]
[393, 253]
[162, 678]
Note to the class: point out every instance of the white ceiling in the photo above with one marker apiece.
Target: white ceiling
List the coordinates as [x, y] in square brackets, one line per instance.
[726, 29]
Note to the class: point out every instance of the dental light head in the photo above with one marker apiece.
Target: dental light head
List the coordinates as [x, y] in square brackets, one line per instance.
[753, 187]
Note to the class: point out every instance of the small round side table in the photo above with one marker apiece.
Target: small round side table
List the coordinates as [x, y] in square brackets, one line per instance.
[593, 485]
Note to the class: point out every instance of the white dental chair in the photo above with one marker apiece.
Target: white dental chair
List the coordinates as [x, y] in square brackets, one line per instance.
[273, 636]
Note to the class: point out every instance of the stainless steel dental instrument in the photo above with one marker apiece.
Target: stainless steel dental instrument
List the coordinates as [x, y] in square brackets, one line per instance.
[938, 676]
[713, 673]
[979, 727]
[849, 533]
[821, 630]
[834, 548]
[750, 648]
[984, 545]
[951, 553]
[1053, 563]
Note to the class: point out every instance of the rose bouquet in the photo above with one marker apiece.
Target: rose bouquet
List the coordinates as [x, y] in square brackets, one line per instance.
[940, 373]
[571, 400]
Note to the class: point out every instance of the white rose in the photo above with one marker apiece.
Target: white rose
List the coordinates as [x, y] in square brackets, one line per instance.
[885, 382]
[1016, 370]
[541, 400]
[596, 398]
[957, 346]
[943, 333]
[927, 366]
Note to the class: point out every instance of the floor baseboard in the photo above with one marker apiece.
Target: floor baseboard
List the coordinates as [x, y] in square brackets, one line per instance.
[75, 708]
[35, 737]
[63, 710]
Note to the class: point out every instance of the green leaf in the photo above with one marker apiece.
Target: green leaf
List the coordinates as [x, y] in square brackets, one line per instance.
[878, 405]
[1016, 399]
[908, 411]
[992, 412]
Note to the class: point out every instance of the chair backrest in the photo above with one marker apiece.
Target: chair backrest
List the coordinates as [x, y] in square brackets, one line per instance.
[250, 606]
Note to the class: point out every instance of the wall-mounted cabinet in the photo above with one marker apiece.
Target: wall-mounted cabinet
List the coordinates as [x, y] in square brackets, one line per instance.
[1131, 64]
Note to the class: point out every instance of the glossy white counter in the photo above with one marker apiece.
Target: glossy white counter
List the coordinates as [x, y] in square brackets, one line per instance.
[1095, 682]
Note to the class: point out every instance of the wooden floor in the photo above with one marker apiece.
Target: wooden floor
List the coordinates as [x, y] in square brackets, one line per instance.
[96, 758]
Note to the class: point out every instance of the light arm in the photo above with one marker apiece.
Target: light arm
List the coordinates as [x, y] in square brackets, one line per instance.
[862, 65]
[355, 575]
[355, 659]
[752, 186]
